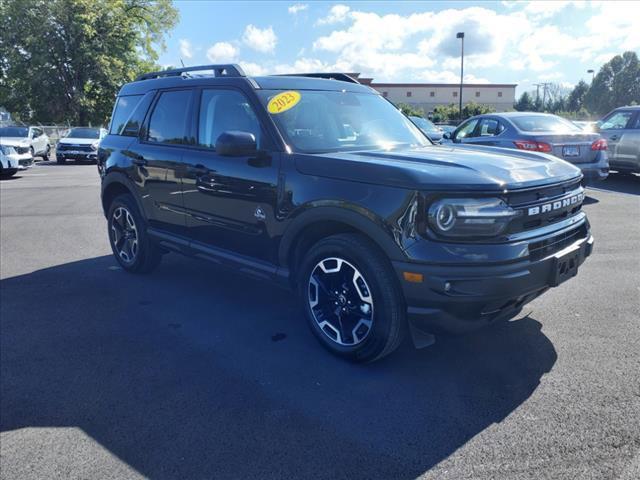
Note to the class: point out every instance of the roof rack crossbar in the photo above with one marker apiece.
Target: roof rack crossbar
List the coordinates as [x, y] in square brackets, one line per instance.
[223, 70]
[343, 77]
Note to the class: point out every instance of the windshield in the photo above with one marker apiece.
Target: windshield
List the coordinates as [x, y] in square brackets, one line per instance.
[83, 132]
[325, 121]
[424, 124]
[14, 132]
[544, 123]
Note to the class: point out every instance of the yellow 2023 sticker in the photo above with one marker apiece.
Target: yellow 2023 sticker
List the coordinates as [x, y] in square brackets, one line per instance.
[283, 101]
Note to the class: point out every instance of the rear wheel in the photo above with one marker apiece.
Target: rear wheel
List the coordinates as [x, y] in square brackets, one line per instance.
[351, 298]
[128, 237]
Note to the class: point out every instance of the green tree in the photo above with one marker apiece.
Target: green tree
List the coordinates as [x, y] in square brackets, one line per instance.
[411, 110]
[616, 84]
[472, 108]
[64, 60]
[524, 103]
[575, 100]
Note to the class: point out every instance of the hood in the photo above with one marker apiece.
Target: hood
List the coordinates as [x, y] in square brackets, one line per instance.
[78, 141]
[442, 167]
[15, 141]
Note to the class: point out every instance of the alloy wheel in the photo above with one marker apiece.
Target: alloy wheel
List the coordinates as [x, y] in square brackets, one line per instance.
[124, 234]
[340, 301]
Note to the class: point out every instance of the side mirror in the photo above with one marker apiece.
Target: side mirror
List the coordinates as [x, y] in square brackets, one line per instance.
[233, 143]
[447, 135]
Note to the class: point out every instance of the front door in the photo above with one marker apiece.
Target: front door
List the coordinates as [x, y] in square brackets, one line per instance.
[230, 201]
[617, 128]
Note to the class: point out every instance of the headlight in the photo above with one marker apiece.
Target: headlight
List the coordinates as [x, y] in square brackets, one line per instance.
[470, 217]
[7, 150]
[94, 145]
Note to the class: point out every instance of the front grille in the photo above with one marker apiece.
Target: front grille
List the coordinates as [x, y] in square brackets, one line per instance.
[551, 205]
[76, 148]
[25, 162]
[549, 246]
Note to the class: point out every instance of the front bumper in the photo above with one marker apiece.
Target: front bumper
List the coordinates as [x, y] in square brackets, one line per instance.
[25, 160]
[71, 155]
[462, 298]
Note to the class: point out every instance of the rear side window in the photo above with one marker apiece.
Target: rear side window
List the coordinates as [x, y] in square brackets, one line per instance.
[544, 123]
[168, 122]
[121, 113]
[617, 120]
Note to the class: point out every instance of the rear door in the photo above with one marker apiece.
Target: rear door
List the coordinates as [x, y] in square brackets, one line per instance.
[617, 128]
[157, 156]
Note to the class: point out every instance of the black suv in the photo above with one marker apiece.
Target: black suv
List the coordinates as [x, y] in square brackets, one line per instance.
[319, 183]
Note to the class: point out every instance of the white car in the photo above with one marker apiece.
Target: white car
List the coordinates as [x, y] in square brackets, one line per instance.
[80, 143]
[28, 142]
[9, 161]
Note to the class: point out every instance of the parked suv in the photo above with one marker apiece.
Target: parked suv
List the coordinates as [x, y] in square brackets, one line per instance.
[621, 128]
[28, 142]
[324, 186]
[80, 143]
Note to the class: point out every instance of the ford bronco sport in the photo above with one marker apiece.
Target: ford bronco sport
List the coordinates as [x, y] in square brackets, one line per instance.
[319, 183]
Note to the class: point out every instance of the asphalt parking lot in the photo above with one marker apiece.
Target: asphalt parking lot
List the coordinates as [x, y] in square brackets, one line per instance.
[196, 372]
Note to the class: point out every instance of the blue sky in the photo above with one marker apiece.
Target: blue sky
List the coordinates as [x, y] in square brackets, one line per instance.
[505, 42]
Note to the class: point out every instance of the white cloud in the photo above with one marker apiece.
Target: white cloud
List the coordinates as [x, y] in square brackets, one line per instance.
[297, 8]
[221, 52]
[253, 69]
[337, 14]
[186, 50]
[262, 40]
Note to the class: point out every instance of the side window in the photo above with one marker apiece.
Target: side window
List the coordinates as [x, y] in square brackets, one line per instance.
[617, 121]
[466, 130]
[490, 127]
[224, 110]
[636, 124]
[168, 122]
[122, 111]
[134, 122]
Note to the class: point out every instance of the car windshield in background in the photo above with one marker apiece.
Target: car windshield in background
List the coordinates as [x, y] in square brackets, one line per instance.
[325, 121]
[424, 124]
[14, 132]
[84, 133]
[543, 123]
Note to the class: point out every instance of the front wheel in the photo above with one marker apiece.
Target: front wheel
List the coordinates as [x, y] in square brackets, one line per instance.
[47, 154]
[128, 237]
[352, 299]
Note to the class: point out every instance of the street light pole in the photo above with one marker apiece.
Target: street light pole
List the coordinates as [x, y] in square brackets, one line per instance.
[460, 35]
[593, 74]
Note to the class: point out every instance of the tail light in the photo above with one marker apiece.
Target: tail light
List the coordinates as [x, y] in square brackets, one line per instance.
[532, 145]
[600, 144]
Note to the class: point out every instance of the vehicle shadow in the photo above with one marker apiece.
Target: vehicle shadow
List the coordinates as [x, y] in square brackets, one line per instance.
[196, 372]
[616, 182]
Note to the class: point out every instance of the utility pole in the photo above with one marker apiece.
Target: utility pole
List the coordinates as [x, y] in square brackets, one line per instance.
[537, 85]
[460, 35]
[593, 74]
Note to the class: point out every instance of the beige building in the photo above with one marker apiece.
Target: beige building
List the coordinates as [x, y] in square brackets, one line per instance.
[429, 95]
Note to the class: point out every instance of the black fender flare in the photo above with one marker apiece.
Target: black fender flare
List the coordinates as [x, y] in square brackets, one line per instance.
[360, 219]
[119, 178]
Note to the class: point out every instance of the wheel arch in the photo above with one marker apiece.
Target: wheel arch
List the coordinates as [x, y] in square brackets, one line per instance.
[115, 184]
[321, 222]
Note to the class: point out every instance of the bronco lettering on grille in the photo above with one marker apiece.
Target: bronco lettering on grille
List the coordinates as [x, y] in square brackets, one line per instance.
[557, 205]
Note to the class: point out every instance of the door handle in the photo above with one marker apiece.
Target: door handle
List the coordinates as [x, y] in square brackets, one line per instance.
[613, 137]
[139, 160]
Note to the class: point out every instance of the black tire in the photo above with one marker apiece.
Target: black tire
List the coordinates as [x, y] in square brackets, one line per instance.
[388, 322]
[145, 256]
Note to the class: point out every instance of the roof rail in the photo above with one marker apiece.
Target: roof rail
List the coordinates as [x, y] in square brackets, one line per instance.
[225, 70]
[343, 77]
